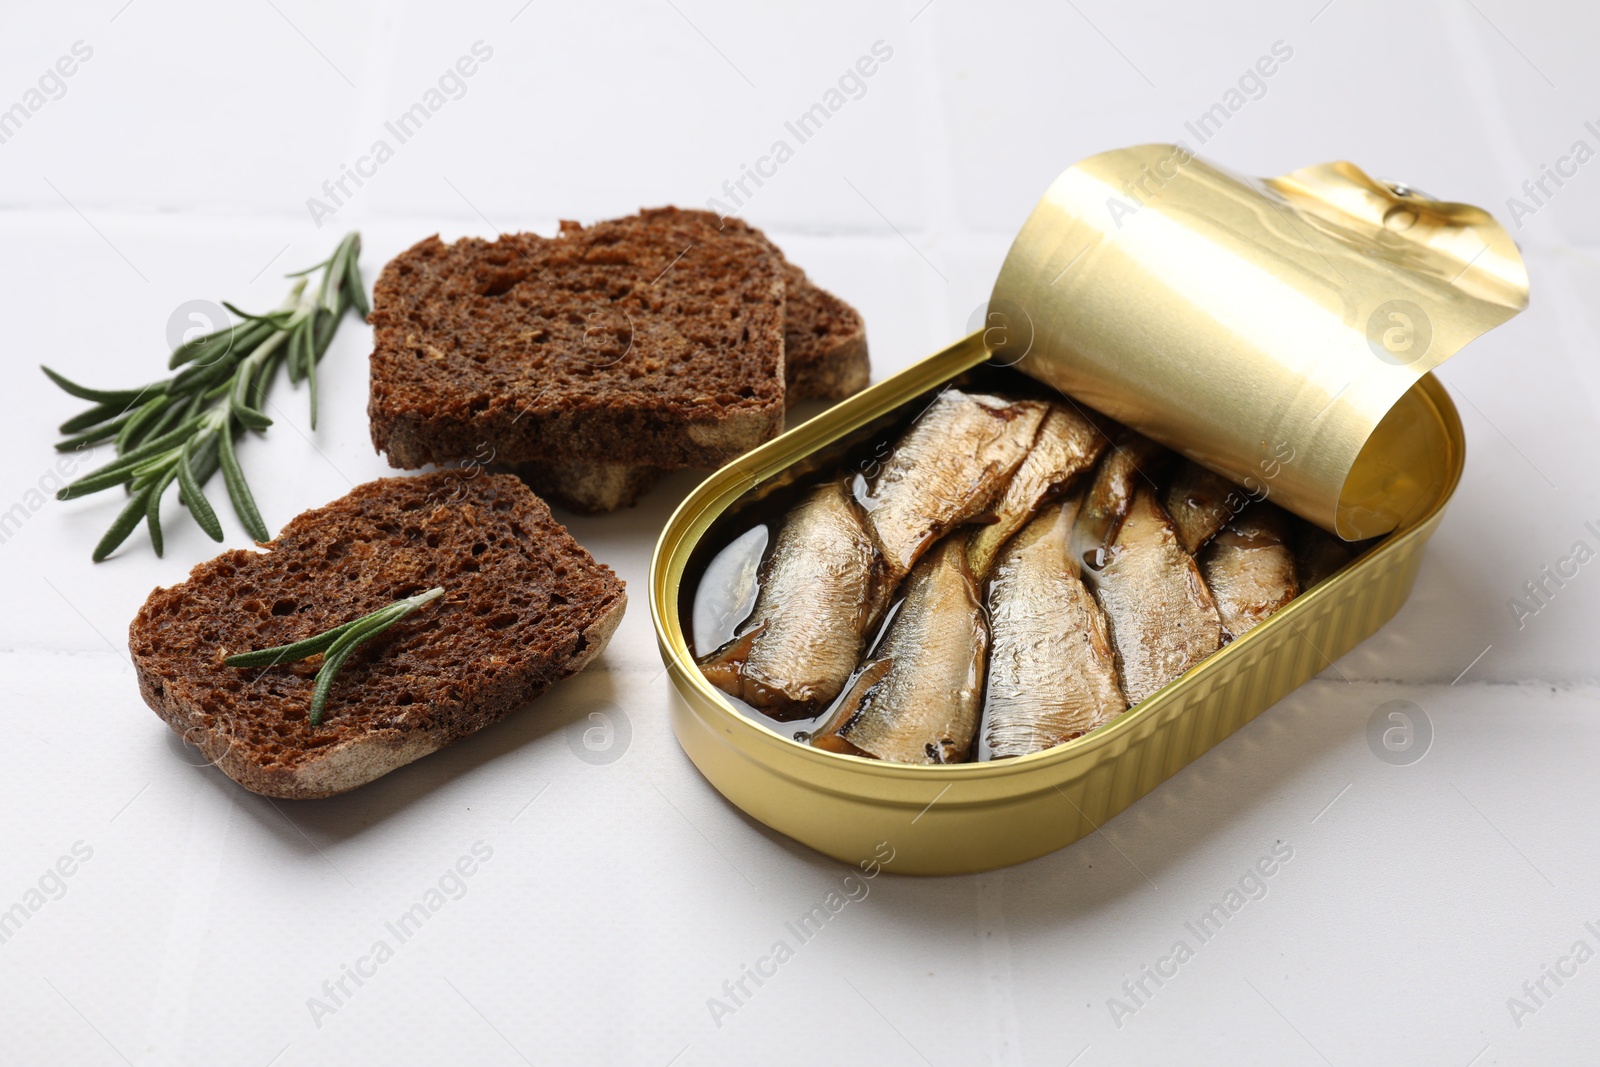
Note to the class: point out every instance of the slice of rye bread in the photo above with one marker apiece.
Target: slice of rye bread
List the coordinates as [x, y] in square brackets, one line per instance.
[637, 340]
[589, 487]
[825, 341]
[524, 606]
[825, 357]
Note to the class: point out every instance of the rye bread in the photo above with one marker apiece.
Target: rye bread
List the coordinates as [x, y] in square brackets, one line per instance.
[639, 340]
[825, 340]
[825, 358]
[524, 607]
[589, 487]
[829, 341]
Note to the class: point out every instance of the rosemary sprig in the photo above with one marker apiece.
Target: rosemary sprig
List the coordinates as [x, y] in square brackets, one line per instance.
[185, 428]
[334, 646]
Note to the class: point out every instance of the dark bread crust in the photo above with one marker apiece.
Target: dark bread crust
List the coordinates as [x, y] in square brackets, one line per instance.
[639, 340]
[524, 607]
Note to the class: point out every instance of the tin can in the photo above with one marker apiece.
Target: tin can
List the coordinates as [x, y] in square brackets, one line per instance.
[1226, 317]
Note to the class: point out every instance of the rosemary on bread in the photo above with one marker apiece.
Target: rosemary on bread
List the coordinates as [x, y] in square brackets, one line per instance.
[334, 646]
[185, 428]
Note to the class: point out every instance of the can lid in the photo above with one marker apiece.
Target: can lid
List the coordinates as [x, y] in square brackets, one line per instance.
[1266, 328]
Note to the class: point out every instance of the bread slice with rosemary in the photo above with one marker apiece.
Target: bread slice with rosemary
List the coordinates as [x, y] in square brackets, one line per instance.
[825, 358]
[524, 605]
[637, 339]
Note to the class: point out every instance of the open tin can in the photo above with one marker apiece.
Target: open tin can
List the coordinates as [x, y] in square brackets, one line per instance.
[1281, 332]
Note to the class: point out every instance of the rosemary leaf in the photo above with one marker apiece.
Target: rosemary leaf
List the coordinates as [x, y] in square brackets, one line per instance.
[205, 462]
[219, 343]
[322, 333]
[335, 645]
[331, 663]
[147, 413]
[309, 270]
[292, 356]
[243, 381]
[199, 376]
[94, 436]
[251, 419]
[290, 653]
[311, 355]
[170, 418]
[328, 287]
[119, 399]
[244, 502]
[106, 477]
[272, 319]
[352, 284]
[200, 400]
[96, 416]
[131, 513]
[274, 357]
[152, 514]
[158, 464]
[199, 506]
[204, 349]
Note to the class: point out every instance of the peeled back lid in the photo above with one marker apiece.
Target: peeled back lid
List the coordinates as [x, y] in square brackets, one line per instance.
[1268, 329]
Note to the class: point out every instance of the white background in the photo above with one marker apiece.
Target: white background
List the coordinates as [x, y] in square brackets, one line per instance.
[620, 896]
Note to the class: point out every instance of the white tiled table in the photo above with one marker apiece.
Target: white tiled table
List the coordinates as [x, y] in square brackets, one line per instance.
[199, 920]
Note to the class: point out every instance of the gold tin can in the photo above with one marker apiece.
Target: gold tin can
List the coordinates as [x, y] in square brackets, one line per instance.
[1150, 285]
